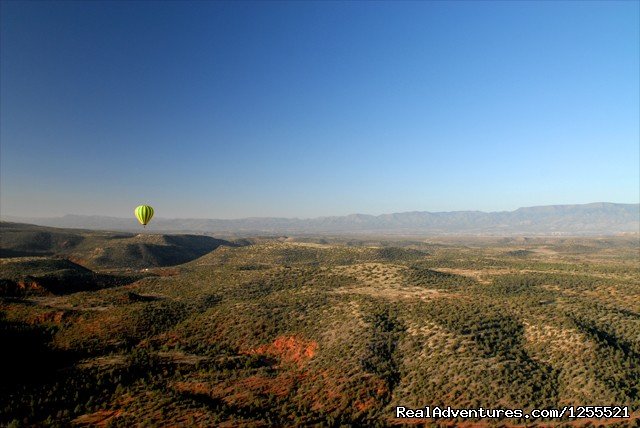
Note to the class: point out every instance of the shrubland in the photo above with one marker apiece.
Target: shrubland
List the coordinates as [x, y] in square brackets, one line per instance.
[329, 333]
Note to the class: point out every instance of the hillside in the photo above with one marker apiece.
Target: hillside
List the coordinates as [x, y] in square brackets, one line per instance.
[588, 219]
[104, 250]
[29, 276]
[303, 332]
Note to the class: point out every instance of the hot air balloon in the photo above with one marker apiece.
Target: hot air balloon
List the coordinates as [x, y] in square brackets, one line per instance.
[143, 214]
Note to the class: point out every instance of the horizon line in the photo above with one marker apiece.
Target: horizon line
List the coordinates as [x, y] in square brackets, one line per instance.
[322, 217]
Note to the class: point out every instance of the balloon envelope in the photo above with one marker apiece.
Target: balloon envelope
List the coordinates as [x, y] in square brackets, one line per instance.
[143, 214]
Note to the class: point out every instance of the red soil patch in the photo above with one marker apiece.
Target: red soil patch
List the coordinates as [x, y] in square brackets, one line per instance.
[37, 315]
[98, 419]
[280, 385]
[290, 349]
[55, 317]
[29, 284]
[332, 390]
[242, 391]
[245, 390]
[325, 390]
[193, 387]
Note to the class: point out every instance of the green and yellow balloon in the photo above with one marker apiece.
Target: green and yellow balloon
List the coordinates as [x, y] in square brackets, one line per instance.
[143, 214]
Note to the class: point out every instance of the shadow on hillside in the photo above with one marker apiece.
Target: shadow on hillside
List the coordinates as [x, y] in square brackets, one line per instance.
[31, 359]
[7, 253]
[154, 251]
[105, 250]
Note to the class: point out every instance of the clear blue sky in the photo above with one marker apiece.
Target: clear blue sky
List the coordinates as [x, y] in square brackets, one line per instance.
[223, 110]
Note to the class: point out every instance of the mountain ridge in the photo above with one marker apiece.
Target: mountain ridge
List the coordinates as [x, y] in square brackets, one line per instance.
[571, 219]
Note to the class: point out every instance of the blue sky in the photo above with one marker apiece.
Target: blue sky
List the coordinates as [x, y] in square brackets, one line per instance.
[225, 110]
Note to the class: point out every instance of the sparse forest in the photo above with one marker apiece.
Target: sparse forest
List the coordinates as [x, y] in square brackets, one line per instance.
[318, 332]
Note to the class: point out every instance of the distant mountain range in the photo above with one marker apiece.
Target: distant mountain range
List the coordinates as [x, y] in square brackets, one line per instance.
[589, 219]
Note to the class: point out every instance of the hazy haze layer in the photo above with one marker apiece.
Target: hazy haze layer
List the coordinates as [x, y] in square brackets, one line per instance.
[589, 219]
